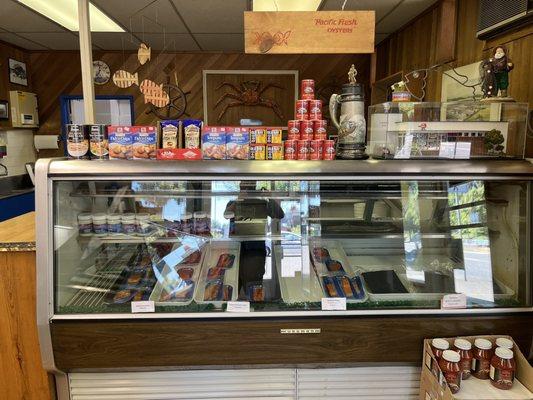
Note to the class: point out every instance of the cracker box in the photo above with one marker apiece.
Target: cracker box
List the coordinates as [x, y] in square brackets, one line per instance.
[214, 142]
[179, 154]
[433, 385]
[170, 134]
[120, 142]
[144, 142]
[237, 143]
[257, 151]
[273, 135]
[274, 152]
[258, 135]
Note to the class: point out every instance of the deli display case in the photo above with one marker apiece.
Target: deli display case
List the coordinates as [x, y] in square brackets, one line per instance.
[165, 264]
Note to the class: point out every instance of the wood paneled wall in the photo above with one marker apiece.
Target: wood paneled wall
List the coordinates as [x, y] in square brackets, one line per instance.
[8, 51]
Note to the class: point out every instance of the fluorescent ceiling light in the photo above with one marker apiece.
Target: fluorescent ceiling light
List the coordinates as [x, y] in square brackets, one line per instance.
[285, 5]
[65, 13]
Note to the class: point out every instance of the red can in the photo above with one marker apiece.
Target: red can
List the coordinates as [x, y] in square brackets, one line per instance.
[302, 109]
[302, 150]
[328, 150]
[315, 150]
[319, 129]
[315, 109]
[294, 129]
[306, 130]
[307, 89]
[291, 147]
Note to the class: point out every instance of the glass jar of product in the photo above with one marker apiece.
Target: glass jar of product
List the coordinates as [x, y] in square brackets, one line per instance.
[464, 348]
[186, 222]
[128, 224]
[85, 224]
[505, 343]
[114, 225]
[502, 369]
[100, 224]
[449, 365]
[200, 225]
[482, 355]
[438, 346]
[142, 224]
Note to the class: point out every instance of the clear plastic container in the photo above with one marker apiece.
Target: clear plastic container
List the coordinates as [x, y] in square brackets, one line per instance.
[464, 348]
[502, 369]
[128, 224]
[142, 224]
[482, 356]
[100, 224]
[114, 226]
[449, 365]
[85, 224]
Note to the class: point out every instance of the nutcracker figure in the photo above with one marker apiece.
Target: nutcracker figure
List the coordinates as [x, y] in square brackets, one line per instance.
[496, 73]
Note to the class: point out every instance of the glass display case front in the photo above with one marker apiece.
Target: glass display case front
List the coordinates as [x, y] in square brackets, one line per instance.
[193, 244]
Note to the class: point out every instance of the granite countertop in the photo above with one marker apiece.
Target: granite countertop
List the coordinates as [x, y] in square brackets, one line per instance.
[18, 234]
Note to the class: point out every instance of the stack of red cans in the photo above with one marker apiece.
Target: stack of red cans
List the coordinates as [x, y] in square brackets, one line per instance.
[307, 137]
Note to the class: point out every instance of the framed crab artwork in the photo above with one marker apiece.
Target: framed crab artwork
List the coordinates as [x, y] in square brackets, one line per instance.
[267, 96]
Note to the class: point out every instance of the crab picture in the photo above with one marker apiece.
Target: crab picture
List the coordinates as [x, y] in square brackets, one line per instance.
[248, 93]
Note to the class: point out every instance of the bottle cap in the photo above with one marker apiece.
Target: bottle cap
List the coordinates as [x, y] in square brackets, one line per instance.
[504, 342]
[483, 344]
[450, 355]
[462, 344]
[440, 344]
[504, 353]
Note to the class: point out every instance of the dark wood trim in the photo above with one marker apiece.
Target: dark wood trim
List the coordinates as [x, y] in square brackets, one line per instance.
[197, 343]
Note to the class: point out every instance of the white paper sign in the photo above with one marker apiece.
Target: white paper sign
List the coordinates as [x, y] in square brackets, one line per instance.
[334, 303]
[238, 306]
[142, 306]
[447, 150]
[453, 301]
[462, 150]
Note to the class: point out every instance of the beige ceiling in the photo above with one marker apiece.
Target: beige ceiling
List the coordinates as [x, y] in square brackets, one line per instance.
[177, 25]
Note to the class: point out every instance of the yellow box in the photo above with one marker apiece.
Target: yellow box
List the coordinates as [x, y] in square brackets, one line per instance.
[258, 135]
[274, 152]
[274, 136]
[257, 151]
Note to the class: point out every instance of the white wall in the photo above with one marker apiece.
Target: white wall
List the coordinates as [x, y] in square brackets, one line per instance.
[20, 150]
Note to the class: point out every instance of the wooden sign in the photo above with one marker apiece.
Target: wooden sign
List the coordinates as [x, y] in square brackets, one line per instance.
[309, 32]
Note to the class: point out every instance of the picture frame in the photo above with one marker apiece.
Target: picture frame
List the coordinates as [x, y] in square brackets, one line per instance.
[18, 72]
[4, 109]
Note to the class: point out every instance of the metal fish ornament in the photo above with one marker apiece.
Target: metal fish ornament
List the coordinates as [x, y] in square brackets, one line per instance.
[154, 93]
[124, 79]
[144, 53]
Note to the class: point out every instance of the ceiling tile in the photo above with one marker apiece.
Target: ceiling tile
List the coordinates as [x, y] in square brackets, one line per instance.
[381, 7]
[170, 42]
[20, 41]
[114, 41]
[161, 11]
[213, 16]
[404, 13]
[55, 41]
[17, 18]
[231, 42]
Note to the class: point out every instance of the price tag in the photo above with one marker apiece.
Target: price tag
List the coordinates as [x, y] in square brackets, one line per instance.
[462, 150]
[447, 150]
[142, 306]
[238, 306]
[334, 303]
[453, 301]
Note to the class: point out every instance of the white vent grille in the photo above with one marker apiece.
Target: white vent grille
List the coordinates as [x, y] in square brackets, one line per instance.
[363, 383]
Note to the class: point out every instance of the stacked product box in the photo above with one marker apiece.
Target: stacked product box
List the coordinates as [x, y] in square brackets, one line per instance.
[214, 142]
[266, 143]
[307, 137]
[132, 142]
[180, 140]
[237, 143]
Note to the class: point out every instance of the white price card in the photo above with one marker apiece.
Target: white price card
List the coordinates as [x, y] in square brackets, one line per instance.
[334, 303]
[447, 150]
[142, 306]
[238, 306]
[453, 301]
[462, 150]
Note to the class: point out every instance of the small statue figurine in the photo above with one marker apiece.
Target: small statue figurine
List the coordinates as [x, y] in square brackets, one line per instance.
[496, 74]
[352, 73]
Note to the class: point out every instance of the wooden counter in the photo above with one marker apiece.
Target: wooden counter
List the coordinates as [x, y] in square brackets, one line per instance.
[23, 376]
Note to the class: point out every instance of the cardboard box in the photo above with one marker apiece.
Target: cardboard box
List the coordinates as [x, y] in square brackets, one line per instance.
[435, 388]
[144, 142]
[274, 135]
[258, 135]
[257, 151]
[120, 142]
[214, 142]
[237, 143]
[179, 154]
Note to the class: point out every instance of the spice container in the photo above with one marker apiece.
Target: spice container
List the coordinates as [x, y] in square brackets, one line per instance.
[438, 346]
[186, 222]
[449, 365]
[85, 224]
[505, 343]
[502, 369]
[464, 348]
[114, 226]
[100, 224]
[482, 355]
[141, 224]
[128, 224]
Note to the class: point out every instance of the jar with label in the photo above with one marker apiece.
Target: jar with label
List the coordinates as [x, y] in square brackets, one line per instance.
[482, 355]
[100, 224]
[77, 142]
[449, 365]
[200, 225]
[128, 224]
[142, 225]
[438, 346]
[502, 369]
[114, 226]
[464, 348]
[505, 343]
[85, 224]
[186, 222]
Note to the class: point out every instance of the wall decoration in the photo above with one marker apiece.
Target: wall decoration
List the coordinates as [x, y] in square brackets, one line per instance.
[101, 72]
[455, 79]
[18, 73]
[495, 75]
[177, 105]
[144, 53]
[4, 109]
[154, 93]
[265, 95]
[124, 79]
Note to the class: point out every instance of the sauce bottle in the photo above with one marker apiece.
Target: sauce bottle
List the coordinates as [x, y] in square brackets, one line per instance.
[438, 346]
[464, 348]
[502, 369]
[449, 365]
[482, 356]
